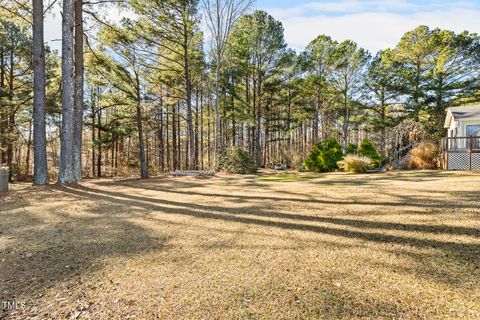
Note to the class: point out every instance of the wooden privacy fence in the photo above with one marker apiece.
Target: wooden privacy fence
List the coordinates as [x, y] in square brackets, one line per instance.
[461, 153]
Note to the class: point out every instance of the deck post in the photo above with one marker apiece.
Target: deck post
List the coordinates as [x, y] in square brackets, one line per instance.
[446, 153]
[470, 147]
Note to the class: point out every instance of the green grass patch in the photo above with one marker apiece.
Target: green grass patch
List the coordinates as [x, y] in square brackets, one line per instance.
[289, 177]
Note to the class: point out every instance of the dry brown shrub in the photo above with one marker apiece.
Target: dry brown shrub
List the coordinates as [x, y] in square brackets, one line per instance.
[423, 156]
[355, 164]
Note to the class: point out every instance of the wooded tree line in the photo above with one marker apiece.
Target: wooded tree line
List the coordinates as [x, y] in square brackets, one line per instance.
[156, 93]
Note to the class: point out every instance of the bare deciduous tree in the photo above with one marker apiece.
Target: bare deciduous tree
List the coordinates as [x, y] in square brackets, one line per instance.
[221, 16]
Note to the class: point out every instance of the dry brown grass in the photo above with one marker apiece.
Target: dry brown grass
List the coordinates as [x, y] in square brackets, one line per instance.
[391, 246]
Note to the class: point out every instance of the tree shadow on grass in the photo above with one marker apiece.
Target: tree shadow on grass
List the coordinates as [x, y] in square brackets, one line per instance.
[261, 211]
[466, 253]
[38, 254]
[296, 197]
[106, 231]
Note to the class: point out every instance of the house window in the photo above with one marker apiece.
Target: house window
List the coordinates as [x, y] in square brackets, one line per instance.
[473, 130]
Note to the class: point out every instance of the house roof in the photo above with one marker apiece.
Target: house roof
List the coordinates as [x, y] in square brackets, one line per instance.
[463, 112]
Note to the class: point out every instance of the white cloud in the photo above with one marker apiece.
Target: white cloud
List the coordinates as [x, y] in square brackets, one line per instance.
[362, 6]
[373, 29]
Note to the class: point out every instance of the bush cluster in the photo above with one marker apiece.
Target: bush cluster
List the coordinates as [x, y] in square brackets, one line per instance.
[367, 149]
[324, 156]
[237, 160]
[355, 164]
[327, 156]
[351, 149]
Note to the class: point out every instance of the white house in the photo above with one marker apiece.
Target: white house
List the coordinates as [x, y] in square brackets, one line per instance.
[463, 121]
[462, 145]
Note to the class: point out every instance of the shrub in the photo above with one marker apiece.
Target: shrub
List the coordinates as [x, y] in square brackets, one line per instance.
[297, 161]
[237, 160]
[424, 156]
[355, 164]
[301, 167]
[351, 149]
[367, 149]
[324, 156]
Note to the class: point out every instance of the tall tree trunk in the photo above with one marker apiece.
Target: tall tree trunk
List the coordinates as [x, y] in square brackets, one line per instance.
[67, 174]
[186, 153]
[78, 104]
[258, 125]
[216, 137]
[196, 127]
[167, 138]
[346, 120]
[112, 160]
[225, 131]
[316, 120]
[93, 131]
[247, 99]
[147, 149]
[201, 129]
[325, 123]
[209, 143]
[115, 164]
[99, 157]
[40, 170]
[29, 146]
[267, 137]
[10, 117]
[3, 121]
[174, 138]
[179, 140]
[161, 140]
[143, 163]
[305, 134]
[289, 133]
[2, 64]
[234, 132]
[188, 89]
[384, 119]
[254, 115]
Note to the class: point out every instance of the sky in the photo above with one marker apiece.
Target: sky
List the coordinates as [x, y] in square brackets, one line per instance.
[373, 24]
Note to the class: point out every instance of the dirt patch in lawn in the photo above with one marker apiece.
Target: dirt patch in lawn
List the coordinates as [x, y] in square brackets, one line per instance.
[392, 245]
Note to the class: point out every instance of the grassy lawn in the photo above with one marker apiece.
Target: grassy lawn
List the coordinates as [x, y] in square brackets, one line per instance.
[288, 176]
[271, 246]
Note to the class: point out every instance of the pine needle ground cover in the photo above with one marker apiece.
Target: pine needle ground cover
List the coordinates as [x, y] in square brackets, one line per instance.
[392, 246]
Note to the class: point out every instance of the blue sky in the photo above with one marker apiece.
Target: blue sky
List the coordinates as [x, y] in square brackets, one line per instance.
[373, 24]
[293, 3]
